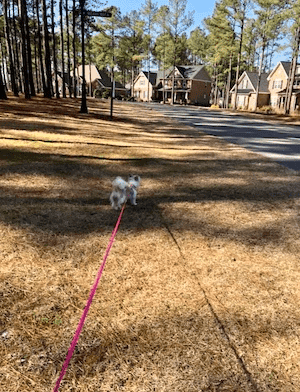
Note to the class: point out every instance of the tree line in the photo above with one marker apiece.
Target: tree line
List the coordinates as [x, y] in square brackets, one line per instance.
[40, 41]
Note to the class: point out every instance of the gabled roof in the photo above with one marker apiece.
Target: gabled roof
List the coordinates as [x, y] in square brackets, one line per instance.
[286, 66]
[253, 76]
[194, 72]
[92, 73]
[253, 79]
[151, 76]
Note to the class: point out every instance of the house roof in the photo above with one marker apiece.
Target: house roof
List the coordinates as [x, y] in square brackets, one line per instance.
[151, 76]
[194, 72]
[253, 78]
[294, 92]
[286, 66]
[92, 73]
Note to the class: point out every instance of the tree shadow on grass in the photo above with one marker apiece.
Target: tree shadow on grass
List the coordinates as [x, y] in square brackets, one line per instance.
[80, 210]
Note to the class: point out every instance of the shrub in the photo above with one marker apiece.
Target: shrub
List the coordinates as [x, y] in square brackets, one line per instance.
[266, 109]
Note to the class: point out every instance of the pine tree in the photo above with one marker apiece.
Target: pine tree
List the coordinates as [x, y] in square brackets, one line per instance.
[178, 22]
[270, 18]
[133, 44]
[9, 50]
[221, 49]
[149, 11]
[294, 14]
[22, 11]
[198, 45]
[48, 91]
[237, 10]
[54, 51]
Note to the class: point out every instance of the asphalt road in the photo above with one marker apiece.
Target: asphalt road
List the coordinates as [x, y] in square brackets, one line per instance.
[278, 142]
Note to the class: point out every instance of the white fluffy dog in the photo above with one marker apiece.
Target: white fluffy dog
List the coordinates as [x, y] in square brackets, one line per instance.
[124, 190]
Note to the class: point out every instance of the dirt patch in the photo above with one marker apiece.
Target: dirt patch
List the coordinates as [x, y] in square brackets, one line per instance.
[201, 289]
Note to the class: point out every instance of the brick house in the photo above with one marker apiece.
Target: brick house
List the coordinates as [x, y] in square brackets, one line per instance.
[192, 85]
[246, 93]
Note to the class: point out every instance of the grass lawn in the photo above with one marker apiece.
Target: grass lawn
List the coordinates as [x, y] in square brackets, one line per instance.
[201, 291]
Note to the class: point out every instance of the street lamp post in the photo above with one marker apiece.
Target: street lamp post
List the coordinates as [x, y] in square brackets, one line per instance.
[104, 14]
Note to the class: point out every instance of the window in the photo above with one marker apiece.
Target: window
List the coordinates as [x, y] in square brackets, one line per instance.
[142, 82]
[277, 83]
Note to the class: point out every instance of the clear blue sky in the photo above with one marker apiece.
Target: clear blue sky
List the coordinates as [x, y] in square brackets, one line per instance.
[202, 8]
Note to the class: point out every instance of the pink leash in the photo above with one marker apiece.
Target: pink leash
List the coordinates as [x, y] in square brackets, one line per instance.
[88, 304]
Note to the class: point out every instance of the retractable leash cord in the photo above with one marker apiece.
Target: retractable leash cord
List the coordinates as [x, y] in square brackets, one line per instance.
[88, 304]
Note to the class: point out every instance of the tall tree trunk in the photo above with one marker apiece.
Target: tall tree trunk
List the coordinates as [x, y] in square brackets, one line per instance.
[28, 49]
[74, 50]
[62, 49]
[37, 76]
[228, 83]
[68, 51]
[22, 9]
[292, 73]
[259, 73]
[54, 50]
[238, 62]
[48, 92]
[9, 51]
[2, 66]
[16, 51]
[40, 49]
[2, 87]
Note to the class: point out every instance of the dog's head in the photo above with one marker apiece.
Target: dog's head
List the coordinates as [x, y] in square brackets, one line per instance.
[134, 179]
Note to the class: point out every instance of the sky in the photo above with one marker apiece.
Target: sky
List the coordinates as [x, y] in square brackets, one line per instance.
[202, 8]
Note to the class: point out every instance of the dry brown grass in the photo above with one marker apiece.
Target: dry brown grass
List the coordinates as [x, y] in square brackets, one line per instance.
[201, 290]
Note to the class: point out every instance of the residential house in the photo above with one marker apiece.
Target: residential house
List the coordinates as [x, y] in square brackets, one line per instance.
[143, 85]
[98, 82]
[189, 84]
[60, 82]
[246, 92]
[278, 80]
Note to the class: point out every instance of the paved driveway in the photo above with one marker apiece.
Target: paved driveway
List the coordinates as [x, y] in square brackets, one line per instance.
[275, 141]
